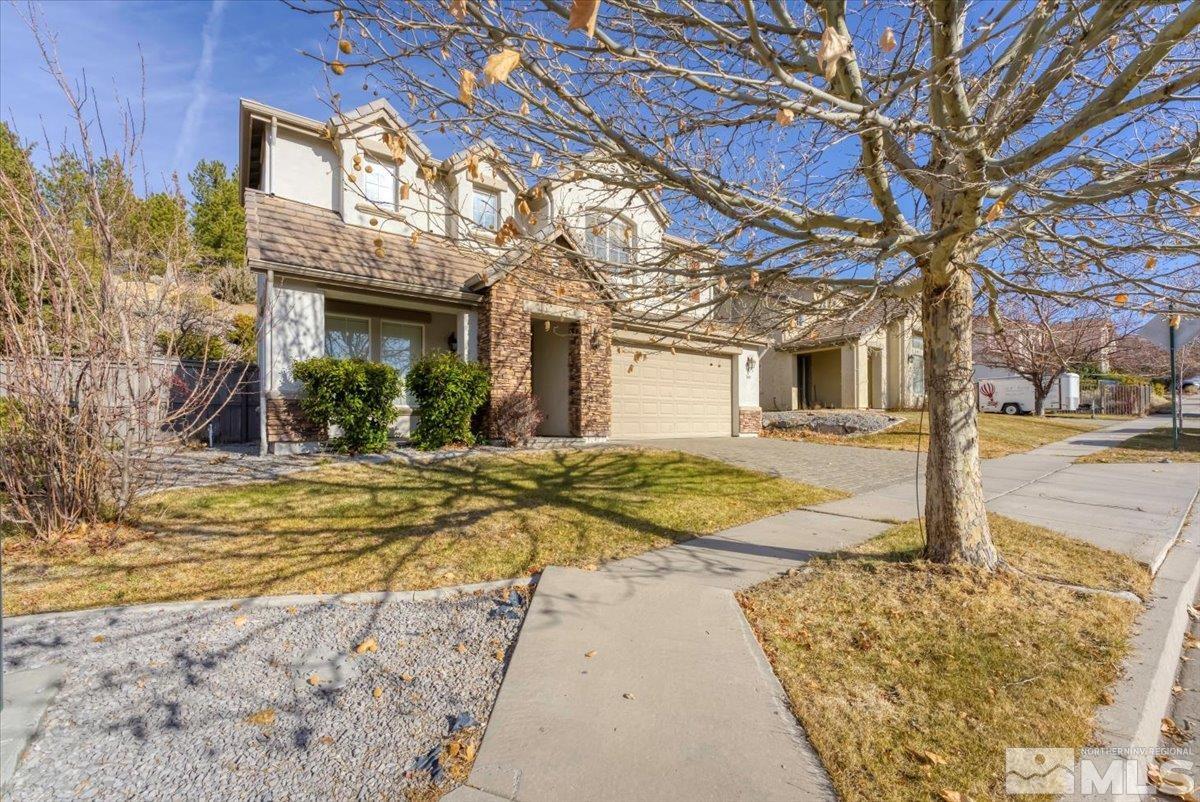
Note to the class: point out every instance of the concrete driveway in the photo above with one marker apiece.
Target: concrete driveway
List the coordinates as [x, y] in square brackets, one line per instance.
[855, 470]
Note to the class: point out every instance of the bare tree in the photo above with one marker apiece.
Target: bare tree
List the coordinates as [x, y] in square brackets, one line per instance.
[912, 145]
[1040, 339]
[91, 303]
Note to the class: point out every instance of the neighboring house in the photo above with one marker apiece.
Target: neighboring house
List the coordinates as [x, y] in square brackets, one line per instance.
[367, 245]
[872, 356]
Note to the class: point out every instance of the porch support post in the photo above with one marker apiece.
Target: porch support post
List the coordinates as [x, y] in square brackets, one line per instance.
[467, 333]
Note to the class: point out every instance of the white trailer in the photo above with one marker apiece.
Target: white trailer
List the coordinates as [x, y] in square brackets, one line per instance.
[1013, 395]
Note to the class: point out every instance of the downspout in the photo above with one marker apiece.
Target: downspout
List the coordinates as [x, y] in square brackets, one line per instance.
[271, 157]
[266, 372]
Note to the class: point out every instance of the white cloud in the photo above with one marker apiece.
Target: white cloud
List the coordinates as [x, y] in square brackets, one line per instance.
[200, 85]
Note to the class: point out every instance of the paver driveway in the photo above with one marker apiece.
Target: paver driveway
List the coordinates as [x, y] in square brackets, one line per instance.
[854, 470]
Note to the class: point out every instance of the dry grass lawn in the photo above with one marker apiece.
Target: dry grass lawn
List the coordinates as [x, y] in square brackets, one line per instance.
[1152, 446]
[999, 435]
[911, 678]
[363, 527]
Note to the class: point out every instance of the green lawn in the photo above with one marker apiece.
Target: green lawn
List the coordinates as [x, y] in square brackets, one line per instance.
[911, 679]
[999, 435]
[1153, 446]
[366, 527]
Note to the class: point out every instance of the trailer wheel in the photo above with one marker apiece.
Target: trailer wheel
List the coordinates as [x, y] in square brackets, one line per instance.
[1011, 409]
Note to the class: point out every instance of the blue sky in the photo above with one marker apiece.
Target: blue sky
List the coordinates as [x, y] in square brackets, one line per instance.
[200, 57]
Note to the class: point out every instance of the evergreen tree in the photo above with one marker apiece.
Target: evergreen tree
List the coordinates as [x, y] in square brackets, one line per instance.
[218, 220]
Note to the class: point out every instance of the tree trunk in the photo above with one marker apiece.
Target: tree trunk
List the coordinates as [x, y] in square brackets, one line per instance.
[956, 520]
[1039, 401]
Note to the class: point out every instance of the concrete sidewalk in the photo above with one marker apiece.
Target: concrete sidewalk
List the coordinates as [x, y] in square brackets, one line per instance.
[643, 680]
[1134, 508]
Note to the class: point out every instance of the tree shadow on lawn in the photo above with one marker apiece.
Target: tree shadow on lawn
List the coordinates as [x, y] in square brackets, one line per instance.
[362, 527]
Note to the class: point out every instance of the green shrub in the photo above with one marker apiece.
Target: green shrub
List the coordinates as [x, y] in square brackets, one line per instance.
[448, 392]
[242, 335]
[358, 397]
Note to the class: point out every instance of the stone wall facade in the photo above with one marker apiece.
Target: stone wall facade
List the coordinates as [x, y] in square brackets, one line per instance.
[287, 423]
[550, 288]
[750, 420]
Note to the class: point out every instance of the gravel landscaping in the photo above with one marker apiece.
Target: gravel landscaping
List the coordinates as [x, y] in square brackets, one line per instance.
[324, 701]
[845, 422]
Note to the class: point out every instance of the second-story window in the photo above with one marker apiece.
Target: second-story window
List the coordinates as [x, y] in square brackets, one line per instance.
[379, 185]
[485, 208]
[610, 239]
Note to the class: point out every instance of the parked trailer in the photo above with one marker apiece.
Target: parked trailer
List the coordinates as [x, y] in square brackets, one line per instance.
[1014, 395]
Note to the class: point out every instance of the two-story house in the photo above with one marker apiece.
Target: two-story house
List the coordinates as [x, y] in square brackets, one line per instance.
[367, 245]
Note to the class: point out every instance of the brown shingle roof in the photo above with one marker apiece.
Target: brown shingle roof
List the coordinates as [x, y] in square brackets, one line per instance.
[316, 242]
[851, 325]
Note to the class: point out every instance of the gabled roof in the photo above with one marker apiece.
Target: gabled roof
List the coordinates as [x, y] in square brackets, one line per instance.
[375, 112]
[485, 149]
[547, 239]
[313, 242]
[849, 326]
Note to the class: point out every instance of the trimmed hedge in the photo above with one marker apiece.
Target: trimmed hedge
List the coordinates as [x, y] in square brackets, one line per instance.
[448, 392]
[358, 397]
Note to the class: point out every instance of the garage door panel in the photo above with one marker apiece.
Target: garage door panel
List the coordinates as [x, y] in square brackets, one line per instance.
[670, 395]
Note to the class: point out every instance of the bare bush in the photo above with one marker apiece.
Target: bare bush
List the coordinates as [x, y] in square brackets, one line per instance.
[517, 417]
[233, 284]
[94, 396]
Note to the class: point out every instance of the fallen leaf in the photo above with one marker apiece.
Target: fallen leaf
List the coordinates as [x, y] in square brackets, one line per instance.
[591, 653]
[406, 677]
[627, 696]
[368, 645]
[946, 795]
[377, 692]
[98, 639]
[240, 621]
[499, 654]
[461, 648]
[291, 610]
[263, 718]
[314, 680]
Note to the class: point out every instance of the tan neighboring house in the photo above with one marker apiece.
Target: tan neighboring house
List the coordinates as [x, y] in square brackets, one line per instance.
[868, 358]
[366, 244]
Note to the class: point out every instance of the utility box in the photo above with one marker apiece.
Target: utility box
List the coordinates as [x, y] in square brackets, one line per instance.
[1013, 395]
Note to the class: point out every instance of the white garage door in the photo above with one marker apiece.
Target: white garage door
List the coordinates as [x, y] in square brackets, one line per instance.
[684, 394]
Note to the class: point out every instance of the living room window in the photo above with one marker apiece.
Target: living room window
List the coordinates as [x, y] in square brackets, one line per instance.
[347, 337]
[379, 185]
[485, 208]
[610, 239]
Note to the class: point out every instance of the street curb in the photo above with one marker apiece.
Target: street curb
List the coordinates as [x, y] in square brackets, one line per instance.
[261, 602]
[1143, 694]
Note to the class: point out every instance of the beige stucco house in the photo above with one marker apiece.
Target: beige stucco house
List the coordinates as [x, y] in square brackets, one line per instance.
[366, 244]
[866, 358]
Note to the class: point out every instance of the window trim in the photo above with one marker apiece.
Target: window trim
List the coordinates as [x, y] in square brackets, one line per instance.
[610, 221]
[377, 165]
[478, 190]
